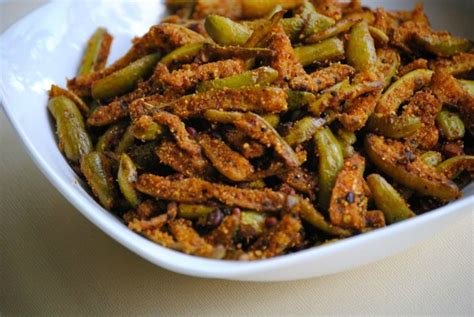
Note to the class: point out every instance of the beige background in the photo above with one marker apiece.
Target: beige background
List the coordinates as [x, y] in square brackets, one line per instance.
[54, 262]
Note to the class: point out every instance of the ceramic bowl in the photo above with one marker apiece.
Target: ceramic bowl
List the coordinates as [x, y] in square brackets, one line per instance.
[46, 47]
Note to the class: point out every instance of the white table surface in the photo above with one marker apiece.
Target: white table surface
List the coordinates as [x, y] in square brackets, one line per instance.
[55, 262]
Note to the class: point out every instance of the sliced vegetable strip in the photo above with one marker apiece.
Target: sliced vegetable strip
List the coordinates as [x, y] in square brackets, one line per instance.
[397, 161]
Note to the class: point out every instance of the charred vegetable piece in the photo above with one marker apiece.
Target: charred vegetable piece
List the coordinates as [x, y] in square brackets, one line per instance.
[96, 169]
[360, 48]
[453, 166]
[329, 49]
[97, 51]
[399, 162]
[451, 125]
[127, 176]
[124, 80]
[395, 127]
[388, 200]
[331, 161]
[258, 77]
[74, 140]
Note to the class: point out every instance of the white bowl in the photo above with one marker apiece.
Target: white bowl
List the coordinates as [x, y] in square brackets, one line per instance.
[46, 47]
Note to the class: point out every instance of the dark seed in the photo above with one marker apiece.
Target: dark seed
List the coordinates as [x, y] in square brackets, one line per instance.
[350, 197]
[192, 132]
[236, 211]
[270, 222]
[216, 135]
[215, 218]
[226, 210]
[410, 156]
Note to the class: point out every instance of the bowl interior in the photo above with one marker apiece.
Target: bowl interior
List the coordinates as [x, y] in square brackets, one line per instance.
[46, 47]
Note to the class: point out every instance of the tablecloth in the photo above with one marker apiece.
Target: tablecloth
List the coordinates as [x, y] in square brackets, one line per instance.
[55, 262]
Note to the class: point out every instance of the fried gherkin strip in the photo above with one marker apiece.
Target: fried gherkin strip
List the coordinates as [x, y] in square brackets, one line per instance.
[178, 129]
[194, 190]
[397, 161]
[257, 128]
[229, 163]
[243, 99]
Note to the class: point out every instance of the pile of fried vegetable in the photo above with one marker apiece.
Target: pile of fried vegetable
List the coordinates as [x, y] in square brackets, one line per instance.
[251, 129]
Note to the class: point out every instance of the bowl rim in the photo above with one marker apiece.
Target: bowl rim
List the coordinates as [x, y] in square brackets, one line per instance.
[189, 264]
